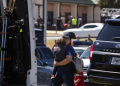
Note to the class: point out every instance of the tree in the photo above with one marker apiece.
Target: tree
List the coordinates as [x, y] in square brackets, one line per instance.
[109, 4]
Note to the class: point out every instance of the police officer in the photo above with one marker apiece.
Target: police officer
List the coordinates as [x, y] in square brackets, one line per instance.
[58, 23]
[74, 22]
[64, 73]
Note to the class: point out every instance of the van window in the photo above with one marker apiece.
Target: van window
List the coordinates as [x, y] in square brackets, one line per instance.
[47, 52]
[110, 30]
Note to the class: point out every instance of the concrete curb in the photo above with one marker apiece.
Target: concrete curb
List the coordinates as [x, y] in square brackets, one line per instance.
[54, 36]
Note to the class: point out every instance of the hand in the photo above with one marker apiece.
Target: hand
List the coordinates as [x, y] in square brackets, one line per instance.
[55, 63]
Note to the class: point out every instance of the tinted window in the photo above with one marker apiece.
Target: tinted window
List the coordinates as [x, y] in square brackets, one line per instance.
[39, 55]
[110, 30]
[47, 52]
[85, 55]
[38, 63]
[90, 26]
[79, 51]
[39, 36]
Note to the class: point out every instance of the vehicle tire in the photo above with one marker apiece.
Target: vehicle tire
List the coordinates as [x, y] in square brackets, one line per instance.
[73, 35]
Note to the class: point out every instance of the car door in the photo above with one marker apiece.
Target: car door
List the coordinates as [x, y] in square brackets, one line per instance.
[43, 74]
[88, 29]
[48, 55]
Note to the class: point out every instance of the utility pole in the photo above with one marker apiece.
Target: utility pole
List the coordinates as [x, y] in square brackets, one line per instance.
[45, 20]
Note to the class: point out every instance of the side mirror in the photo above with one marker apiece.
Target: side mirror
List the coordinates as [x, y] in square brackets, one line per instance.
[45, 64]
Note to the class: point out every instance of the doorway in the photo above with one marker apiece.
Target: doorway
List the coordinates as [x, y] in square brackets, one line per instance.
[66, 17]
[84, 19]
[50, 18]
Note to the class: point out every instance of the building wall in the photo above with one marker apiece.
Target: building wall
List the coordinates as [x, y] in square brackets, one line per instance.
[97, 14]
[37, 1]
[74, 10]
[65, 9]
[36, 12]
[50, 7]
[35, 9]
[90, 14]
[82, 10]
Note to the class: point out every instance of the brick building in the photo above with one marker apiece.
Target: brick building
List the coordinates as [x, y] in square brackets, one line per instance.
[87, 10]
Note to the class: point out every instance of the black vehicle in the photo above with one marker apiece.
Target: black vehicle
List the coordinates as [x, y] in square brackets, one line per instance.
[105, 55]
[81, 43]
[39, 37]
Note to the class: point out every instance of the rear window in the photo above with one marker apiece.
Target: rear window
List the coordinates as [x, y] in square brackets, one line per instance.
[110, 30]
[79, 51]
[47, 52]
[85, 54]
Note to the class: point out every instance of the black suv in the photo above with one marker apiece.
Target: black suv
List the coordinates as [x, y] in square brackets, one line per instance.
[105, 55]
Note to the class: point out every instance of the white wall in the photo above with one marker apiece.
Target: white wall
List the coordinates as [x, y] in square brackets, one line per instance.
[35, 8]
[74, 10]
[90, 14]
[56, 8]
[97, 14]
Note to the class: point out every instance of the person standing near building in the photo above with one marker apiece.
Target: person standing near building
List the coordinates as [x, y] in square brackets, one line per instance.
[39, 20]
[80, 22]
[58, 23]
[42, 27]
[70, 21]
[74, 22]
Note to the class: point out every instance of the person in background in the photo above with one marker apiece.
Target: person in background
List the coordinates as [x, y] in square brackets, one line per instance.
[42, 27]
[89, 39]
[58, 23]
[74, 22]
[77, 38]
[53, 46]
[79, 79]
[39, 20]
[70, 21]
[80, 23]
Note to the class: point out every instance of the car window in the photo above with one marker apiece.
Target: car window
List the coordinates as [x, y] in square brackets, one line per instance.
[90, 26]
[39, 36]
[39, 56]
[110, 30]
[79, 51]
[85, 54]
[47, 52]
[38, 63]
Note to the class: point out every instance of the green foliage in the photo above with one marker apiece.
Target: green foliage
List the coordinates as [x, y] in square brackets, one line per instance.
[109, 4]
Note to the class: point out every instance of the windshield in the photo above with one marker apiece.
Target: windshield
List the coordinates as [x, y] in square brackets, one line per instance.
[79, 51]
[47, 52]
[85, 55]
[111, 29]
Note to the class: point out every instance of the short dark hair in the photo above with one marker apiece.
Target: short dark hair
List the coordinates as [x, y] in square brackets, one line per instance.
[60, 42]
